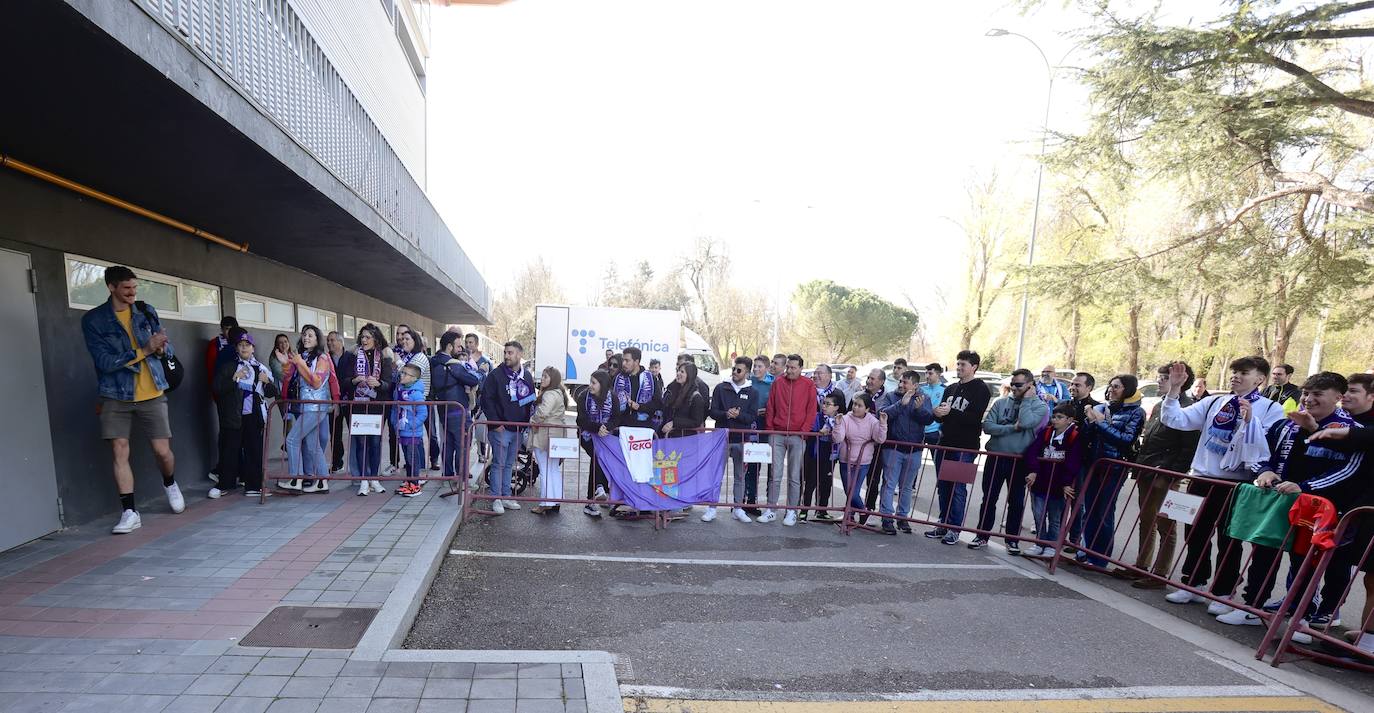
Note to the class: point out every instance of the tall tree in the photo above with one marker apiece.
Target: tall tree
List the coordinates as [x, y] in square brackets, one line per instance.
[512, 313]
[990, 220]
[847, 323]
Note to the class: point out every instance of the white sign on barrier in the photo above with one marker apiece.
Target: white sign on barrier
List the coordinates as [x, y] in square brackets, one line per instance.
[563, 448]
[1180, 507]
[758, 453]
[365, 424]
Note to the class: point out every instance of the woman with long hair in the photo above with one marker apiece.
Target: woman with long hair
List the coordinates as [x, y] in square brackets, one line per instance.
[547, 418]
[409, 349]
[370, 381]
[308, 376]
[684, 406]
[596, 417]
[1114, 426]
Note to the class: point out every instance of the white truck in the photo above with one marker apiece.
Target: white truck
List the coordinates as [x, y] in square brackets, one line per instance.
[574, 339]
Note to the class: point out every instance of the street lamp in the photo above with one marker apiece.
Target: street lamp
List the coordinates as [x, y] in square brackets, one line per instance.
[1039, 176]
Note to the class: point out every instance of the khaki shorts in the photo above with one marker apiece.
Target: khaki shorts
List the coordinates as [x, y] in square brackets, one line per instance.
[117, 418]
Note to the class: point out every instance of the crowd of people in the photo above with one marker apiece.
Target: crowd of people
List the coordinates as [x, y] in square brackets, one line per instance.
[1044, 438]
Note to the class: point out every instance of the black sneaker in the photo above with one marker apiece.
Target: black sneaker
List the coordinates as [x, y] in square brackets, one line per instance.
[824, 516]
[1014, 548]
[936, 533]
[978, 543]
[801, 516]
[753, 512]
[904, 526]
[888, 528]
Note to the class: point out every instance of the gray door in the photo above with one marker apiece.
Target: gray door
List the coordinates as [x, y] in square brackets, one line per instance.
[28, 478]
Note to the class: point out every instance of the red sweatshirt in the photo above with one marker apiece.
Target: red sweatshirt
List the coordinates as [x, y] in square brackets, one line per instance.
[791, 405]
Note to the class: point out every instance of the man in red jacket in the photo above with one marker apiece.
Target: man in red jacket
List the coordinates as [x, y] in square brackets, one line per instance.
[791, 407]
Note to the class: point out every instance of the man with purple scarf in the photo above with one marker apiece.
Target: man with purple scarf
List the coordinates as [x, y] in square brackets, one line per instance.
[635, 387]
[508, 395]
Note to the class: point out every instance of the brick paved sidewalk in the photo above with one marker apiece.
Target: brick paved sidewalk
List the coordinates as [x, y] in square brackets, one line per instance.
[151, 621]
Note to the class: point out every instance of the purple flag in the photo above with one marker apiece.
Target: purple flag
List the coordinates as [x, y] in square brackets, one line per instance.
[687, 471]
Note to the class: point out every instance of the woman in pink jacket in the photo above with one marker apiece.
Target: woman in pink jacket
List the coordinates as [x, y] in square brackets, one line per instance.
[858, 434]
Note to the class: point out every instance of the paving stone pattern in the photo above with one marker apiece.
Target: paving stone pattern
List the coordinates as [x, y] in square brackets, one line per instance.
[150, 621]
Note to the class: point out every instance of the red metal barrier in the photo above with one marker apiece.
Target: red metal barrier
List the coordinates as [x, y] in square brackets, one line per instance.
[1356, 531]
[451, 410]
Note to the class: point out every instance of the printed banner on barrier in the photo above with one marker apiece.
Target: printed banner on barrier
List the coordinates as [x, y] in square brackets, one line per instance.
[563, 448]
[365, 424]
[686, 471]
[1180, 507]
[758, 453]
[637, 448]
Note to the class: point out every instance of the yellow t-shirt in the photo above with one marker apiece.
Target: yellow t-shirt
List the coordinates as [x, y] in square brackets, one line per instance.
[144, 386]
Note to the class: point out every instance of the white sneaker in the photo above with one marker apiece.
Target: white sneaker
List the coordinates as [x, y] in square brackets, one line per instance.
[1220, 609]
[741, 515]
[292, 484]
[1183, 596]
[1302, 637]
[376, 486]
[600, 494]
[591, 510]
[1365, 643]
[362, 487]
[1033, 551]
[1239, 617]
[767, 516]
[497, 508]
[790, 518]
[511, 504]
[174, 498]
[391, 470]
[215, 492]
[709, 515]
[315, 486]
[214, 477]
[128, 522]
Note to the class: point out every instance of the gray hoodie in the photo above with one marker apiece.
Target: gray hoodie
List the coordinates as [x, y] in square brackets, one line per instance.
[1005, 414]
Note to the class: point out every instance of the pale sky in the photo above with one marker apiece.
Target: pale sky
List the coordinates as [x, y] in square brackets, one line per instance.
[814, 138]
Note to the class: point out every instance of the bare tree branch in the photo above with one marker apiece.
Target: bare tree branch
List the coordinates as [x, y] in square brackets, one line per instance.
[1362, 107]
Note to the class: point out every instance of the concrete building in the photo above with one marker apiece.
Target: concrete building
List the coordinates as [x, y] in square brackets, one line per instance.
[258, 158]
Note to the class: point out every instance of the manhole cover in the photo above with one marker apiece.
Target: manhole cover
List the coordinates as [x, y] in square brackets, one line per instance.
[311, 627]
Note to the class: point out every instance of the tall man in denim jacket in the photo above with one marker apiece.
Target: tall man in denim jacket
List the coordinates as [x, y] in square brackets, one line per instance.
[125, 338]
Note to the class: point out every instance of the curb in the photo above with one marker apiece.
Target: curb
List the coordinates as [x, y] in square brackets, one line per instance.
[393, 620]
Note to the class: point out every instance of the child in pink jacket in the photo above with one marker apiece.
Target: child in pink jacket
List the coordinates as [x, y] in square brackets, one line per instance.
[858, 434]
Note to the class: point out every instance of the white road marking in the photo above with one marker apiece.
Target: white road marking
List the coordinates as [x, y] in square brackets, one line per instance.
[976, 694]
[730, 563]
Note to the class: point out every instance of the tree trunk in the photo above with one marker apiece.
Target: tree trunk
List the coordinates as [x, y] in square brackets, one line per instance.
[1075, 331]
[1213, 336]
[1133, 339]
[1314, 364]
[1285, 338]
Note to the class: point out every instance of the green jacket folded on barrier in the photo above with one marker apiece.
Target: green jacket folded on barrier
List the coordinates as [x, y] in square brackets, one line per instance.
[1260, 515]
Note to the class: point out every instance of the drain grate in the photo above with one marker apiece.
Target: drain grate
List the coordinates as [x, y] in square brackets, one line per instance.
[311, 627]
[624, 670]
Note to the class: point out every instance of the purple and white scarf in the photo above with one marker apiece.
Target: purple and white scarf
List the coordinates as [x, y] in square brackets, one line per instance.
[622, 387]
[821, 393]
[520, 391]
[1223, 427]
[599, 413]
[255, 390]
[363, 391]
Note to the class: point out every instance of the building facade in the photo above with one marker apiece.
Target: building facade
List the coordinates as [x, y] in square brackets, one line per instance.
[257, 158]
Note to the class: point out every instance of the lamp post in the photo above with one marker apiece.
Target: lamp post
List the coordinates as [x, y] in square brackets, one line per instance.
[1039, 177]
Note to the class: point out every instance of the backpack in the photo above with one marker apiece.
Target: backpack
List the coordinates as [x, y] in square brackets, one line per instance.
[172, 370]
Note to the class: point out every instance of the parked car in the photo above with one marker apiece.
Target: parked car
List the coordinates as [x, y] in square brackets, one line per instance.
[1149, 394]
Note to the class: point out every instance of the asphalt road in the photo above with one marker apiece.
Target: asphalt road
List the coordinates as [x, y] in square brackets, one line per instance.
[944, 625]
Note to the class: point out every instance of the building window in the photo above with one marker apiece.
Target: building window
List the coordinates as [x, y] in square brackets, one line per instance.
[264, 312]
[173, 297]
[326, 321]
[348, 327]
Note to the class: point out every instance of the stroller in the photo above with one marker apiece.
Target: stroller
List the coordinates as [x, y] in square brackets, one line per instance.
[525, 473]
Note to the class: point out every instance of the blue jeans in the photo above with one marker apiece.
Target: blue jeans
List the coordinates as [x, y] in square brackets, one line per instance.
[1099, 509]
[899, 473]
[1048, 511]
[852, 478]
[455, 450]
[505, 444]
[304, 456]
[953, 497]
[365, 455]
